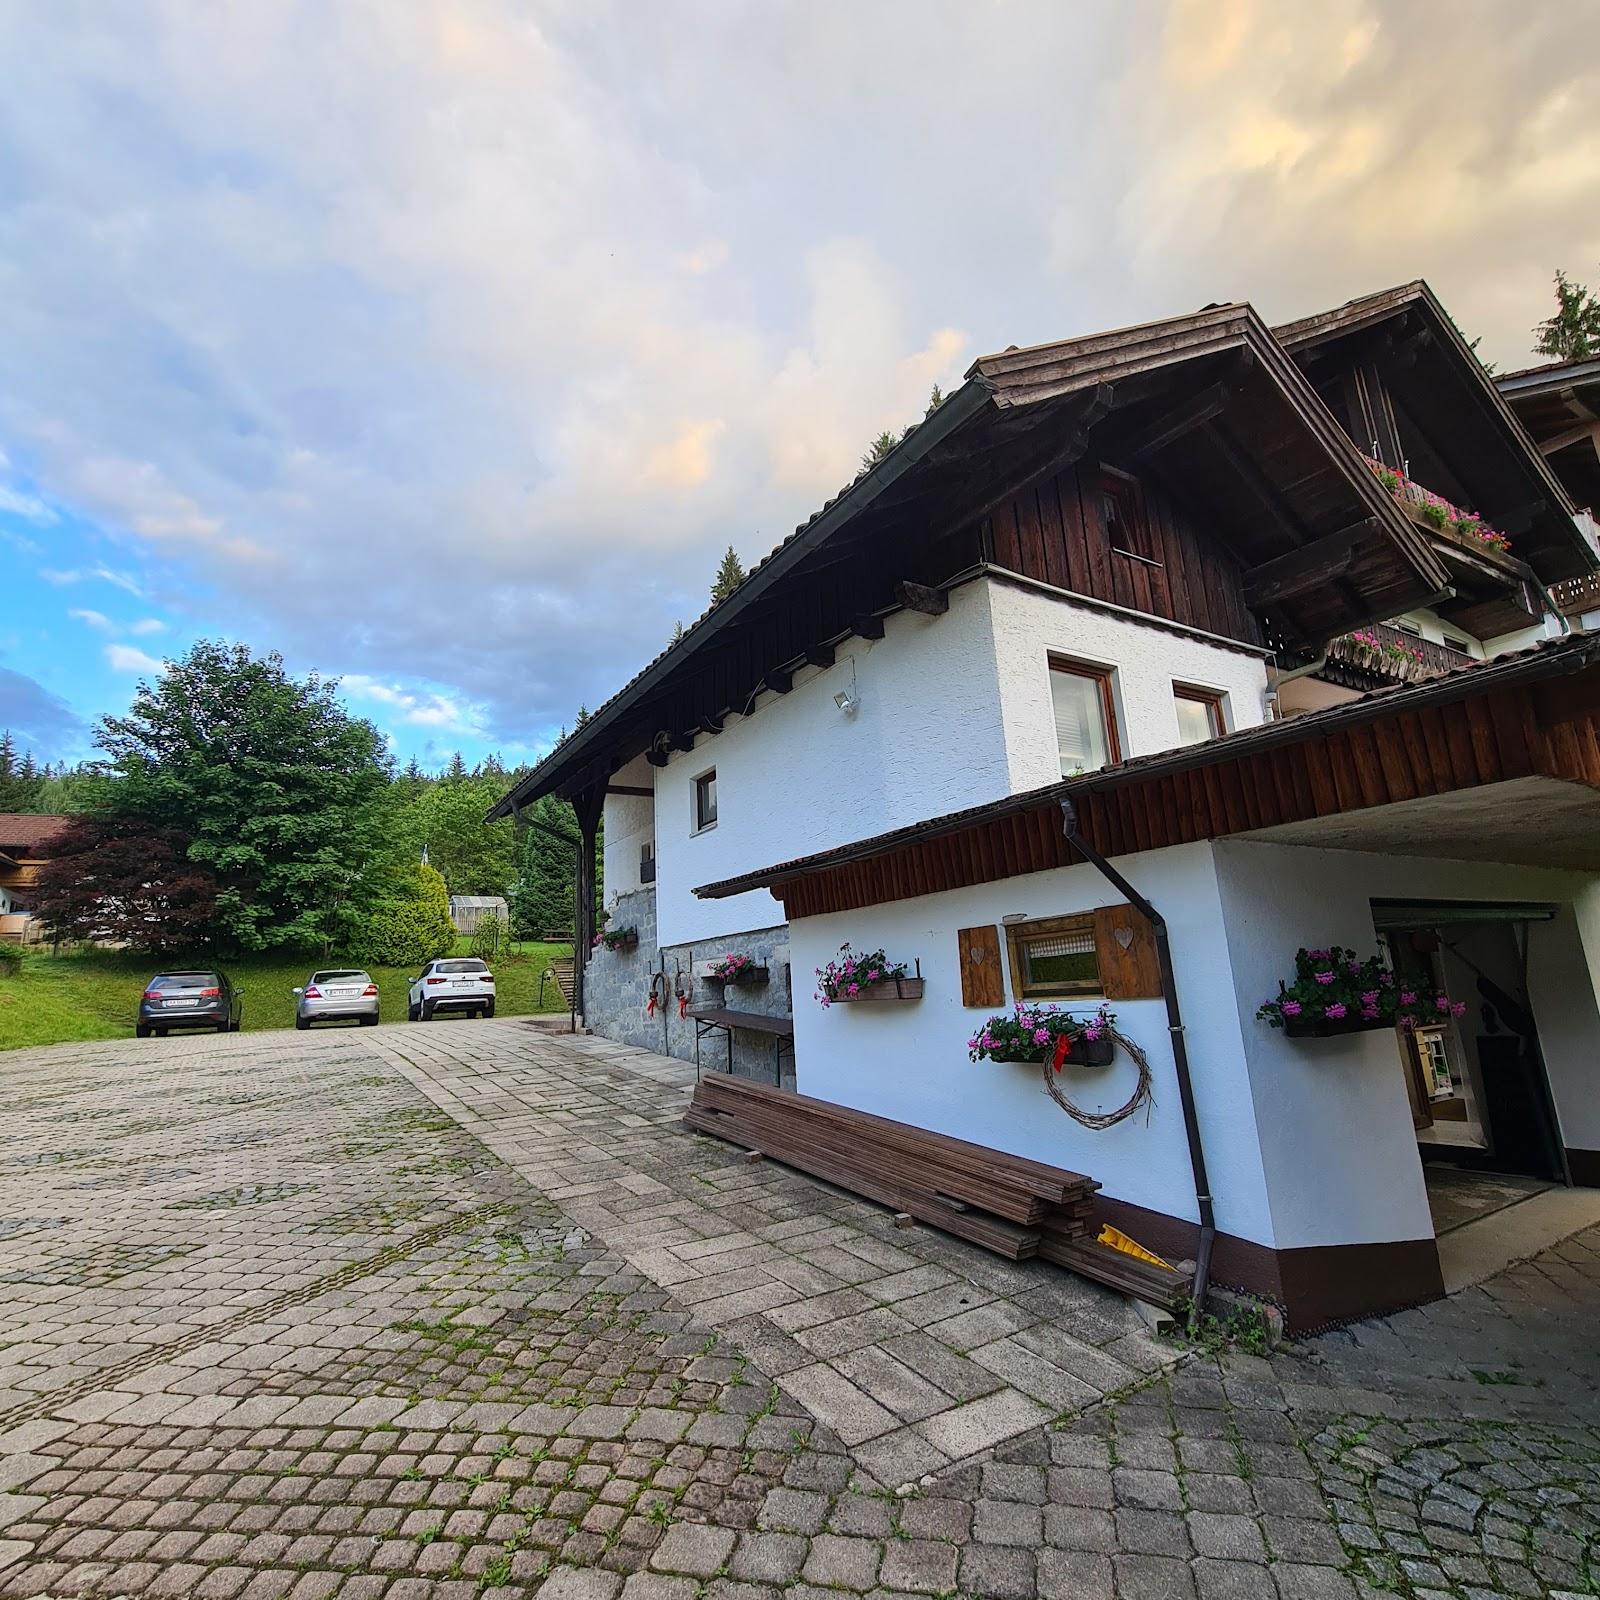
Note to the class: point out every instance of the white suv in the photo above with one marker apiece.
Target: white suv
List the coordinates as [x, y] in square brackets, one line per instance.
[460, 983]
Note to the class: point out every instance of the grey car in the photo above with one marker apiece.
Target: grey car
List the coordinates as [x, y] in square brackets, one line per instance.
[337, 992]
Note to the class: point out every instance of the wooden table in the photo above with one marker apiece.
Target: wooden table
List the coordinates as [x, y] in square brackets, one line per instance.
[714, 1019]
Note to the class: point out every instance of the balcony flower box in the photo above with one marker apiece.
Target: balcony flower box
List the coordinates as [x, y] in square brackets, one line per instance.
[1046, 1034]
[618, 939]
[853, 977]
[738, 970]
[1336, 992]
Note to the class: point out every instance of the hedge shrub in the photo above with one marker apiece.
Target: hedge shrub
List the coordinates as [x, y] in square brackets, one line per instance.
[412, 925]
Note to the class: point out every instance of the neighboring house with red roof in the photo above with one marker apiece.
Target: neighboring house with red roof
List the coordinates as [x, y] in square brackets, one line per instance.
[25, 846]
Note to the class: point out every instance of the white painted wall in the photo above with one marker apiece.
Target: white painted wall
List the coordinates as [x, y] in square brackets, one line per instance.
[954, 711]
[629, 823]
[1030, 627]
[910, 1061]
[1340, 1155]
[799, 776]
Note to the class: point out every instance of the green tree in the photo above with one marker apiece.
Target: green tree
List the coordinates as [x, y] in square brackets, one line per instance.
[730, 574]
[1572, 331]
[878, 449]
[935, 400]
[541, 900]
[410, 923]
[20, 779]
[475, 857]
[275, 787]
[70, 790]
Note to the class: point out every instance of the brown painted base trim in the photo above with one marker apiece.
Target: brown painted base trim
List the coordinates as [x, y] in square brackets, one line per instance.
[1584, 1165]
[1316, 1285]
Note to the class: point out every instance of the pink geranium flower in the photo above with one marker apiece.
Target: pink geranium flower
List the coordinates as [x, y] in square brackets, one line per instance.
[1291, 1008]
[1335, 1011]
[1324, 978]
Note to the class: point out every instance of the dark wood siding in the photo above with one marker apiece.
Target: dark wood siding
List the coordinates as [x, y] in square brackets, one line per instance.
[1054, 532]
[1550, 730]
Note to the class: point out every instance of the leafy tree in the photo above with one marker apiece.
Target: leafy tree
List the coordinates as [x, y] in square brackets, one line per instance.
[1572, 331]
[122, 878]
[541, 900]
[71, 790]
[410, 924]
[730, 574]
[273, 785]
[475, 857]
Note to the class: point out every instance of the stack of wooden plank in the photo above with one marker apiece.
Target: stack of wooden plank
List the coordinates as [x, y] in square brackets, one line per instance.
[1144, 1280]
[999, 1201]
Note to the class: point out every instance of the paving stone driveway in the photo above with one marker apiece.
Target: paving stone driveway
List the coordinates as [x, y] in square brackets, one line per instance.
[458, 1312]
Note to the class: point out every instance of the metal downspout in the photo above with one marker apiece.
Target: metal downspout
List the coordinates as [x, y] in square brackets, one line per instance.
[1180, 1053]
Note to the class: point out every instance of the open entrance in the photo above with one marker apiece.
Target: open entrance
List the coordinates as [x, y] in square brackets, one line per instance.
[1480, 1101]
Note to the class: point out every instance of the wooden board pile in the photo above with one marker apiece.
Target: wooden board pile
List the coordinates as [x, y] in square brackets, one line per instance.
[999, 1201]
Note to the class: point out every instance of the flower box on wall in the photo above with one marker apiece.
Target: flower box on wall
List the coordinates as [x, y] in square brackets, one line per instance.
[1081, 1052]
[1326, 1028]
[887, 989]
[737, 971]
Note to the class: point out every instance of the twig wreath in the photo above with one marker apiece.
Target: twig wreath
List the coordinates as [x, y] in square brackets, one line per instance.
[1142, 1094]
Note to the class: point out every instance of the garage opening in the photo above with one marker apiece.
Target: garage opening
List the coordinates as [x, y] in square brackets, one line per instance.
[1480, 1100]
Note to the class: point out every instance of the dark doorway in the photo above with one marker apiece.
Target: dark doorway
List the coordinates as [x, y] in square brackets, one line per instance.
[1479, 1096]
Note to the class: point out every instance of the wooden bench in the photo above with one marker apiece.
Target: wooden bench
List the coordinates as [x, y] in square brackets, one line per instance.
[713, 1019]
[1000, 1201]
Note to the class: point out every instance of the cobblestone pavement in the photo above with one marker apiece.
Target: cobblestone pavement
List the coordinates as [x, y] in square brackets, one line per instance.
[462, 1313]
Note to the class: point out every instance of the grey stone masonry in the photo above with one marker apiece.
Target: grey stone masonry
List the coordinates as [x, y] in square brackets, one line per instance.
[617, 992]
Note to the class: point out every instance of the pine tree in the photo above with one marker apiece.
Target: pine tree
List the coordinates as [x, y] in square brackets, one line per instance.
[455, 771]
[935, 400]
[1572, 332]
[541, 899]
[878, 449]
[20, 779]
[730, 574]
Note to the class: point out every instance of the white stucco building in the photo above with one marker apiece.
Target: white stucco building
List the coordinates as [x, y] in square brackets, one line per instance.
[1290, 702]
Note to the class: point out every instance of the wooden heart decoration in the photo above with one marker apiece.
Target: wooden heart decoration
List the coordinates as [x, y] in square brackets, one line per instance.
[1123, 936]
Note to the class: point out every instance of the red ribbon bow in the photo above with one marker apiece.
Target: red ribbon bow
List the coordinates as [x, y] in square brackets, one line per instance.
[683, 1005]
[1063, 1050]
[650, 1004]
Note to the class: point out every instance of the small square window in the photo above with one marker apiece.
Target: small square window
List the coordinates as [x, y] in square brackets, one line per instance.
[1052, 957]
[705, 800]
[1199, 714]
[1086, 724]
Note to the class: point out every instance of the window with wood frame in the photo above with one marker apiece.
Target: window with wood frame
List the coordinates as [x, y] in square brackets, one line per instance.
[1122, 515]
[1199, 714]
[1053, 957]
[1085, 713]
[705, 800]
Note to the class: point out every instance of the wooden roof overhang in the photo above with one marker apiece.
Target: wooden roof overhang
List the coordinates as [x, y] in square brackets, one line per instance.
[1559, 406]
[1207, 401]
[1531, 716]
[1460, 437]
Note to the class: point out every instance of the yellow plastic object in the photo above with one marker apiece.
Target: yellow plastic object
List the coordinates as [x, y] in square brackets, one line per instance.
[1118, 1240]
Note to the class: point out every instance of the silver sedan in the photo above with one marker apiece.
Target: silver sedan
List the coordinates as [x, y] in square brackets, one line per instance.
[338, 992]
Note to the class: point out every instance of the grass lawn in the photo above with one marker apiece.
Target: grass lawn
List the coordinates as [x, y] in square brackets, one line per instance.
[94, 994]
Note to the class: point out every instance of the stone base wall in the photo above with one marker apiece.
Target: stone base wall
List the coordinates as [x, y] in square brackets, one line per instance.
[617, 990]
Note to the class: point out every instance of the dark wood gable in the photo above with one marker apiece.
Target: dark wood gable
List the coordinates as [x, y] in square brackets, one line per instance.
[1056, 532]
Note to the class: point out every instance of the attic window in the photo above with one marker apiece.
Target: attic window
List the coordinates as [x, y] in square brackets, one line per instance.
[1122, 515]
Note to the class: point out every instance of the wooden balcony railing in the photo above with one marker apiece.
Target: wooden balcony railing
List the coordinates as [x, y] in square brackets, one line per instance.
[1386, 653]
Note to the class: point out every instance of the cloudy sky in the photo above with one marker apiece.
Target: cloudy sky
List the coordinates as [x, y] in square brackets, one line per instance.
[444, 344]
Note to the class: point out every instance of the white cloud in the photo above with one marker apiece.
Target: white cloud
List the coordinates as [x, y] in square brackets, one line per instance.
[145, 626]
[28, 506]
[428, 709]
[125, 658]
[62, 577]
[434, 350]
[94, 619]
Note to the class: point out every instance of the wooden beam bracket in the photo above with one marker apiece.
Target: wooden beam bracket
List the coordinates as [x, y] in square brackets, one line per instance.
[866, 625]
[1304, 569]
[919, 597]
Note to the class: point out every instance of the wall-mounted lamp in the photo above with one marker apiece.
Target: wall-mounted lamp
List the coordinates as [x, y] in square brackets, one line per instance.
[847, 702]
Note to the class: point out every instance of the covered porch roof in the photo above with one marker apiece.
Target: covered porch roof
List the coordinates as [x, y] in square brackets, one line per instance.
[1498, 760]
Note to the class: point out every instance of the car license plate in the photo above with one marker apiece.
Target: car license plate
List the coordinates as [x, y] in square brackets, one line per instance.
[466, 983]
[339, 993]
[182, 1002]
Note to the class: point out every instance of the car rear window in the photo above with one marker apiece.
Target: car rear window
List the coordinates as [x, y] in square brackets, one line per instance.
[338, 974]
[184, 980]
[461, 966]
